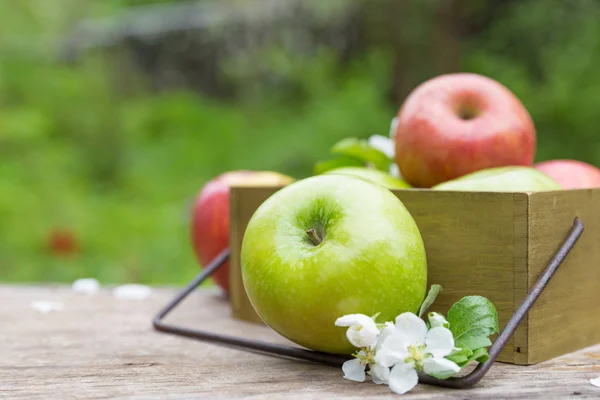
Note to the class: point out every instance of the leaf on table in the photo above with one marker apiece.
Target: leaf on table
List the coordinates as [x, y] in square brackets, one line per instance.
[360, 149]
[472, 320]
[434, 291]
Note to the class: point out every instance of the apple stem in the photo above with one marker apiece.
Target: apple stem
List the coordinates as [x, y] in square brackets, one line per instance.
[312, 235]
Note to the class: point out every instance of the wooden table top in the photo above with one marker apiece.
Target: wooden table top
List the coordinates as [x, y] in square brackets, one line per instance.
[104, 347]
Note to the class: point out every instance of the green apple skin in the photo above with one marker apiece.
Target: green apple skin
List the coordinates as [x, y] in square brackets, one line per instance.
[375, 175]
[371, 260]
[502, 179]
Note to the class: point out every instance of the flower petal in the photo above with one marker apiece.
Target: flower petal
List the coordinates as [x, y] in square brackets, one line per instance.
[387, 330]
[393, 350]
[412, 328]
[437, 319]
[353, 319]
[383, 144]
[595, 382]
[379, 374]
[439, 342]
[440, 368]
[403, 378]
[362, 331]
[354, 370]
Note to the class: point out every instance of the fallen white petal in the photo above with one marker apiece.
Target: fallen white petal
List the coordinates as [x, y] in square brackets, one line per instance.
[354, 370]
[403, 378]
[595, 382]
[86, 286]
[132, 291]
[44, 306]
[412, 328]
[439, 341]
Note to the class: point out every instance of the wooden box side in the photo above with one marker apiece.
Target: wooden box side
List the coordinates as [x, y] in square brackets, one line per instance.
[476, 245]
[243, 201]
[565, 317]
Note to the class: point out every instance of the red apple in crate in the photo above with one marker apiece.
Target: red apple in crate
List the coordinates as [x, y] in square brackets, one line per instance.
[455, 124]
[210, 215]
[571, 174]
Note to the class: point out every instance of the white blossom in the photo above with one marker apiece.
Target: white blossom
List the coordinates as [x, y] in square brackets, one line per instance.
[437, 320]
[362, 331]
[354, 370]
[412, 348]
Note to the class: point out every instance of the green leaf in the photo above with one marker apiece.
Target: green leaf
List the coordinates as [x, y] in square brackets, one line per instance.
[338, 162]
[430, 298]
[360, 149]
[480, 355]
[460, 356]
[472, 320]
[463, 357]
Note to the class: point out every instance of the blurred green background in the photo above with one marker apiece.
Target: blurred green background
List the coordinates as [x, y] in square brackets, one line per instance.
[114, 113]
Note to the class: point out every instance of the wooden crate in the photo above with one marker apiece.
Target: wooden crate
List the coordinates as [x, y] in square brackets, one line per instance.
[494, 245]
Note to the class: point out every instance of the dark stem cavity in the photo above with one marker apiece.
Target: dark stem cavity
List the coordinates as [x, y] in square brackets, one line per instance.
[467, 112]
[314, 237]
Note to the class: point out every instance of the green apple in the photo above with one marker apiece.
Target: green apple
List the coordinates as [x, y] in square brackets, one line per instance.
[327, 246]
[372, 174]
[502, 179]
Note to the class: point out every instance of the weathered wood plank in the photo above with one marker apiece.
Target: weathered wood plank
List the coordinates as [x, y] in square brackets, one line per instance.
[571, 300]
[103, 347]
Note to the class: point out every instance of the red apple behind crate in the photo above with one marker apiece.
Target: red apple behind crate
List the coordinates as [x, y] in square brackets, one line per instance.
[210, 215]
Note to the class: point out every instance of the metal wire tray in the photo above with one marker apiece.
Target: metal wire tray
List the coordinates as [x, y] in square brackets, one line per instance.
[337, 360]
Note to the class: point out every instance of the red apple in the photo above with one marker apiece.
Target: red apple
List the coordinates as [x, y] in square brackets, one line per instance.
[210, 215]
[455, 124]
[571, 174]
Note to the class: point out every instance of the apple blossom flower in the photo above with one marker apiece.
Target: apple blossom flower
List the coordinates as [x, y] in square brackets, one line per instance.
[354, 370]
[362, 331]
[412, 348]
[437, 320]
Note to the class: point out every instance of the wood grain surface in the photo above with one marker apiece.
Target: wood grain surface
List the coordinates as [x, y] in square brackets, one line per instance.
[565, 317]
[101, 347]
